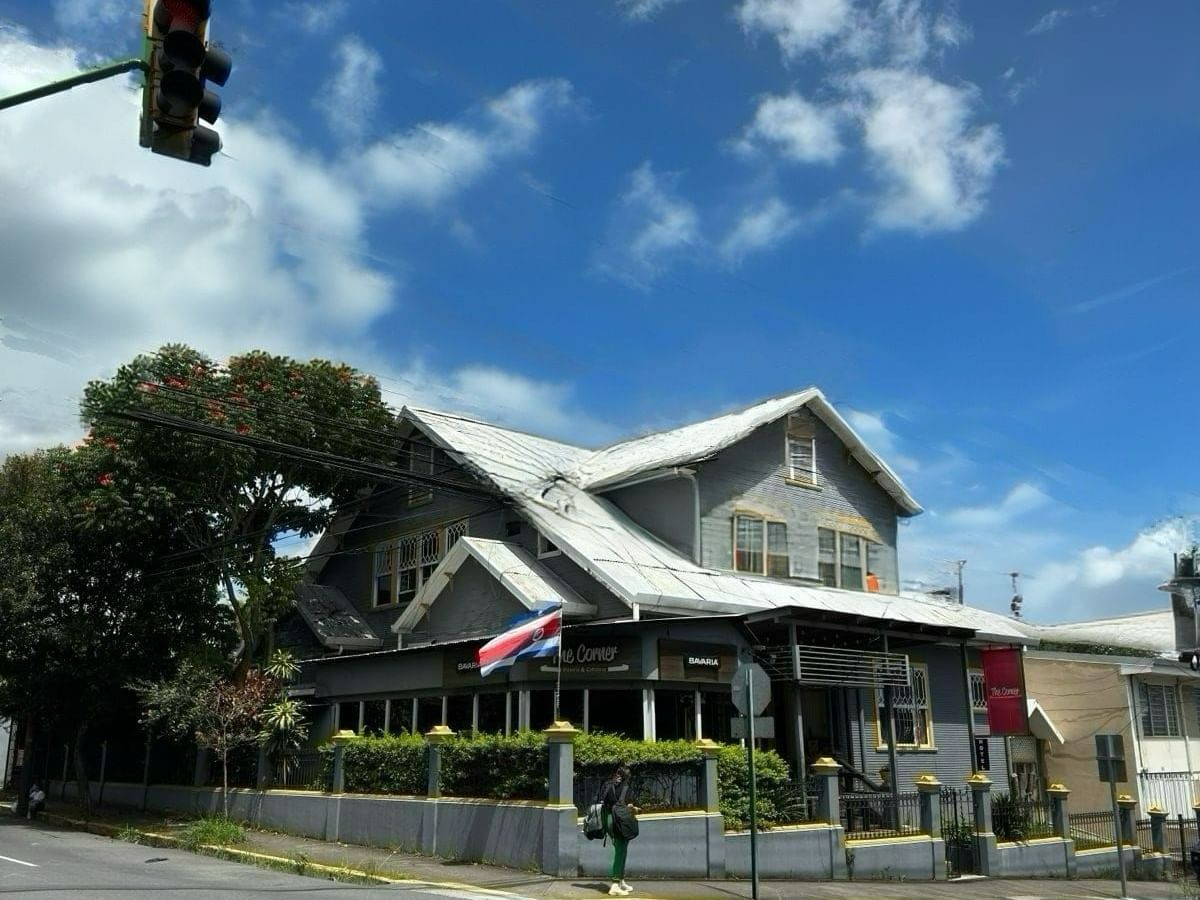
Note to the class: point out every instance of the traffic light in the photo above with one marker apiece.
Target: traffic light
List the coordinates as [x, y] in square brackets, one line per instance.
[179, 63]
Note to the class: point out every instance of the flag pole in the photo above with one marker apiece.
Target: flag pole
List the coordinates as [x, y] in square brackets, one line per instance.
[558, 677]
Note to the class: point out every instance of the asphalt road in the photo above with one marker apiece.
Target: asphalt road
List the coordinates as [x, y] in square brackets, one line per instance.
[49, 863]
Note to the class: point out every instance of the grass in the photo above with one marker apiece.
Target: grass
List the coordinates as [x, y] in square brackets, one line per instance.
[213, 831]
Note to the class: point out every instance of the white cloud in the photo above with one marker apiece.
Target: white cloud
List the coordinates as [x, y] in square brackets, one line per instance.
[891, 32]
[115, 251]
[758, 228]
[1100, 580]
[1050, 21]
[641, 10]
[652, 228]
[317, 16]
[800, 26]
[94, 15]
[349, 98]
[1022, 499]
[430, 162]
[934, 164]
[799, 130]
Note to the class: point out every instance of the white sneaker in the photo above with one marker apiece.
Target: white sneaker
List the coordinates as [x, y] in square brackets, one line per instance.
[626, 886]
[616, 890]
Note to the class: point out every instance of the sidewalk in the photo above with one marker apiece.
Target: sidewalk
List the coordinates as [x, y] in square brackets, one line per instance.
[473, 876]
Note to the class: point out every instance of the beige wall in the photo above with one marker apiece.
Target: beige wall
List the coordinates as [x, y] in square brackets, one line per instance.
[1082, 699]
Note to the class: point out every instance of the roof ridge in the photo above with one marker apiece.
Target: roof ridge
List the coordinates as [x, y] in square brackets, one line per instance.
[464, 417]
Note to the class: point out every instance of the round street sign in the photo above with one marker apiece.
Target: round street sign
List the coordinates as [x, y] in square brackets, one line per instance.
[760, 689]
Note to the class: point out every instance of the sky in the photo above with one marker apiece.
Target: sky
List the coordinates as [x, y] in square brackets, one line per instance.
[972, 225]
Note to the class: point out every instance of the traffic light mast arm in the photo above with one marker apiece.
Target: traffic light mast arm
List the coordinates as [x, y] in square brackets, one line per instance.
[57, 87]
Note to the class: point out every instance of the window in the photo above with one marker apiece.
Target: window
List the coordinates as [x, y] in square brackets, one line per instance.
[801, 451]
[1160, 711]
[851, 568]
[415, 556]
[546, 547]
[418, 456]
[827, 557]
[910, 707]
[385, 583]
[978, 692]
[760, 546]
[879, 565]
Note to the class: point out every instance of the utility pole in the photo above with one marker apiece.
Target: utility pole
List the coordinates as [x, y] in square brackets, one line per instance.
[959, 564]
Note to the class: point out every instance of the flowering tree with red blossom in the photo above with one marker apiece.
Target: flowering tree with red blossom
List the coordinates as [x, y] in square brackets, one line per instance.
[236, 498]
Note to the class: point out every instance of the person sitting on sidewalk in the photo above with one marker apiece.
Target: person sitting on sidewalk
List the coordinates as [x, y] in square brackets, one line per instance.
[621, 825]
[37, 800]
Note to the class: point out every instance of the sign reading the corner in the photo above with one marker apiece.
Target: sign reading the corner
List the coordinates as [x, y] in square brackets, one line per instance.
[601, 657]
[1005, 693]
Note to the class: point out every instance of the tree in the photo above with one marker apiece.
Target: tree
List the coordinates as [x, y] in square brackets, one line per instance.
[238, 500]
[225, 714]
[83, 609]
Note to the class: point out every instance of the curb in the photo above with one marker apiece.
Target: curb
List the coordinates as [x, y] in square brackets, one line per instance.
[334, 873]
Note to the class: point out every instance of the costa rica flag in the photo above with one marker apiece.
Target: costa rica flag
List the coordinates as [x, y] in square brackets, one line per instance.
[536, 635]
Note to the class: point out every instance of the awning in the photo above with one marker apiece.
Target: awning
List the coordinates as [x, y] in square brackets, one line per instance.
[1041, 726]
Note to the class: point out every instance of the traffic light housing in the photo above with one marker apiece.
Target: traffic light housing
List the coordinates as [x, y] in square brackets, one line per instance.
[180, 63]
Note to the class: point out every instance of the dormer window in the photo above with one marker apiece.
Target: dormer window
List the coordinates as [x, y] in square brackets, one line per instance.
[801, 459]
[417, 456]
[760, 547]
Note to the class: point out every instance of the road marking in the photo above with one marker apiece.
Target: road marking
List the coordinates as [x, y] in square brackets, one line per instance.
[19, 862]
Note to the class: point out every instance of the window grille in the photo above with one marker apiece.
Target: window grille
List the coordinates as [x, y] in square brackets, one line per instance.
[910, 709]
[1160, 712]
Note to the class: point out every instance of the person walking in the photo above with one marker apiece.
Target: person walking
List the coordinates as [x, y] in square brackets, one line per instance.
[620, 822]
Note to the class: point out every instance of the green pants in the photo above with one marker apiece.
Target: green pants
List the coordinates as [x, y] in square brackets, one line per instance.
[620, 849]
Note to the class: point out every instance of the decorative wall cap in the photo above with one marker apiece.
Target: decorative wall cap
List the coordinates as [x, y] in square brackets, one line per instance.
[1126, 800]
[708, 748]
[438, 734]
[561, 732]
[344, 736]
[1155, 810]
[1058, 788]
[927, 780]
[826, 765]
[979, 781]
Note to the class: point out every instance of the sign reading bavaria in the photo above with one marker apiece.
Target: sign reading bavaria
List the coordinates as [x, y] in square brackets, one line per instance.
[1006, 711]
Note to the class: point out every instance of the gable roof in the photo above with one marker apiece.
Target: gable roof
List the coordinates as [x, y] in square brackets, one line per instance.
[540, 476]
[512, 566]
[702, 440]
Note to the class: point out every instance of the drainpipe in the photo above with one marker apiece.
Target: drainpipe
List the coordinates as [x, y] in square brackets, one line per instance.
[697, 547]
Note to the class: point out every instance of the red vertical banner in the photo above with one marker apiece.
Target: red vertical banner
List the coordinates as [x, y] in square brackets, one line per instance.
[1005, 689]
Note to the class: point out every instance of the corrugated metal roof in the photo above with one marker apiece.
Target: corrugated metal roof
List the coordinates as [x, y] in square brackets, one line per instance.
[634, 565]
[333, 619]
[1153, 630]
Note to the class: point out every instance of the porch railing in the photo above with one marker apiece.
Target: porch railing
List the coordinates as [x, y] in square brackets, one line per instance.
[878, 815]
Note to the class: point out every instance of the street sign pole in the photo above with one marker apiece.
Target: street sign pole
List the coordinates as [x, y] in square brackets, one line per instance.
[1112, 793]
[753, 799]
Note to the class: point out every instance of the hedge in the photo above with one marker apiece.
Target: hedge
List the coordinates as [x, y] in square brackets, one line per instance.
[517, 767]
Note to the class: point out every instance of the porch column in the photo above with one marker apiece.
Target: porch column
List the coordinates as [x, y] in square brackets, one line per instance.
[798, 710]
[560, 829]
[1125, 805]
[985, 837]
[1158, 828]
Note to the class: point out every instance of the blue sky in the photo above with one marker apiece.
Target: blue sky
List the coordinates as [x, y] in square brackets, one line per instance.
[973, 226]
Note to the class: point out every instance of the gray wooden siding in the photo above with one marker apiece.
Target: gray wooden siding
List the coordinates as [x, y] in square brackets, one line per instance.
[665, 507]
[750, 476]
[473, 604]
[948, 704]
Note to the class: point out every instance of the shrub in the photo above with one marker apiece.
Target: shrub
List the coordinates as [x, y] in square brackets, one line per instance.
[394, 764]
[497, 766]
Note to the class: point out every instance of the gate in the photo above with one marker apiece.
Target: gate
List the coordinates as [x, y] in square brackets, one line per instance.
[958, 831]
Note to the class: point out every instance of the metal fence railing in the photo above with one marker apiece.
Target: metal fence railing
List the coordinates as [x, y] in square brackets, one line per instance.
[653, 788]
[1180, 836]
[303, 770]
[1091, 830]
[795, 802]
[1020, 819]
[958, 830]
[1144, 836]
[879, 815]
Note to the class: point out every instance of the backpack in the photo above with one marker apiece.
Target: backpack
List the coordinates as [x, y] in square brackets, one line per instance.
[624, 824]
[593, 822]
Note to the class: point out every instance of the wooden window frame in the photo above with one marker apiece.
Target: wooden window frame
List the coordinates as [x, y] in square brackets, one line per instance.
[838, 538]
[799, 430]
[765, 522]
[455, 528]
